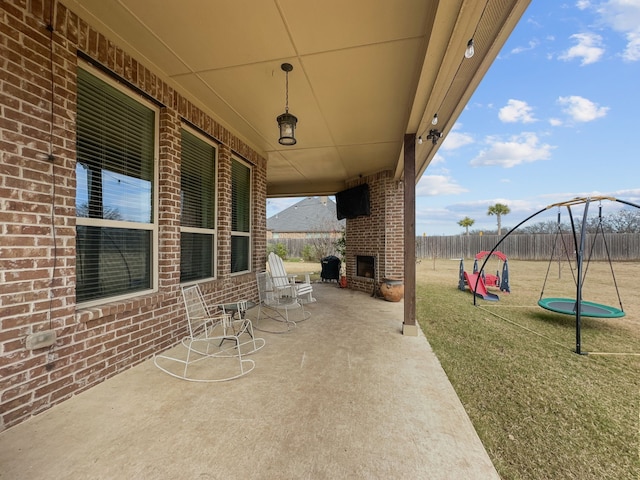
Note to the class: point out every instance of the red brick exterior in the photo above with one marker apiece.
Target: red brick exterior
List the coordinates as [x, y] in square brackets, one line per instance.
[380, 234]
[37, 216]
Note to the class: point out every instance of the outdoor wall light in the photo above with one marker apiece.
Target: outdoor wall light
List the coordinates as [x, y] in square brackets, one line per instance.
[286, 121]
[434, 136]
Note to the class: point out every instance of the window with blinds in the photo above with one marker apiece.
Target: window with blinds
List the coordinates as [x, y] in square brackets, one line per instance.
[115, 227]
[197, 208]
[240, 217]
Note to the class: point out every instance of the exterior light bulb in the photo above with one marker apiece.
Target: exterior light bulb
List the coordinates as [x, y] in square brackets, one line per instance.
[420, 140]
[468, 53]
[435, 120]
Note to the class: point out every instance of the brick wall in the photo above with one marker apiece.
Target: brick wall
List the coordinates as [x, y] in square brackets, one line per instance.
[37, 216]
[380, 234]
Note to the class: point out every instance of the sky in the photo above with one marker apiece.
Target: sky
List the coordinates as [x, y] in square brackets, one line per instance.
[557, 116]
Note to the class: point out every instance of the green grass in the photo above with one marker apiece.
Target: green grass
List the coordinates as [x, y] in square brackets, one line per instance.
[299, 266]
[542, 411]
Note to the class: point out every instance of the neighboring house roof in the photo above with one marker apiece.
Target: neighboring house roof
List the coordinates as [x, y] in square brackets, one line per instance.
[313, 214]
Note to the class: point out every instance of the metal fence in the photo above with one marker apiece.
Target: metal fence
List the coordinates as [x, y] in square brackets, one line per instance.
[620, 246]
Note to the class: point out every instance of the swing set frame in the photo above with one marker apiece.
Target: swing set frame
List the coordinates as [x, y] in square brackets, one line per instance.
[579, 242]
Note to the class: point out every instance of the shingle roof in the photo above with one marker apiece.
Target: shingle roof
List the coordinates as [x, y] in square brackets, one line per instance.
[313, 214]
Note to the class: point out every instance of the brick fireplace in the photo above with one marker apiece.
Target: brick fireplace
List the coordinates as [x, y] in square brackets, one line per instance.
[375, 243]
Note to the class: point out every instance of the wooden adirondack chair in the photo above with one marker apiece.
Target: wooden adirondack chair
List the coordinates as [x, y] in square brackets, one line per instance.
[282, 281]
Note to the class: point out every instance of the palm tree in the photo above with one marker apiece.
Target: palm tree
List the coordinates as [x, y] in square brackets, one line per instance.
[498, 210]
[466, 222]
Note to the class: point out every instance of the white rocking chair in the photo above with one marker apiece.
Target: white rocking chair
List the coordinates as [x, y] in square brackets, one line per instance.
[274, 304]
[204, 354]
[282, 281]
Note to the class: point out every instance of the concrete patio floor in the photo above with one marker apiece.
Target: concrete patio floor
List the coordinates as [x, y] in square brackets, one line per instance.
[343, 396]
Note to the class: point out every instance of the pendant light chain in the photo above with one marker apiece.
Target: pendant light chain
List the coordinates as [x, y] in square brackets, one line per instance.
[286, 93]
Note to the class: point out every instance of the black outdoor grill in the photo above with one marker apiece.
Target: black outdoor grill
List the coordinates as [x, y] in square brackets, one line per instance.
[330, 268]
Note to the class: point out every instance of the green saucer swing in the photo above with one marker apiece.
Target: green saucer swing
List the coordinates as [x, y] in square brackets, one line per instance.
[567, 306]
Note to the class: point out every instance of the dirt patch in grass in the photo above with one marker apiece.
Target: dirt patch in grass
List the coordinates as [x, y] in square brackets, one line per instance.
[541, 410]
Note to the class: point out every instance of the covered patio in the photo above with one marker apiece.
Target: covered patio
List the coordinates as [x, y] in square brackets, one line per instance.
[84, 308]
[343, 395]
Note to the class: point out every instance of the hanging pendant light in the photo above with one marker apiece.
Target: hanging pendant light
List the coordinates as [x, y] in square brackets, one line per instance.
[286, 121]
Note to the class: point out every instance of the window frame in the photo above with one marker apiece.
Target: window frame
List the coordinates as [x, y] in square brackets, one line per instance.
[241, 234]
[205, 231]
[122, 224]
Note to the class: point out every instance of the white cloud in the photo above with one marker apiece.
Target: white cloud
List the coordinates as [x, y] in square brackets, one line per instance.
[477, 209]
[523, 148]
[443, 220]
[632, 52]
[581, 109]
[630, 195]
[635, 192]
[516, 111]
[589, 48]
[433, 185]
[454, 140]
[555, 122]
[530, 46]
[623, 16]
[276, 205]
[583, 4]
[436, 220]
[437, 159]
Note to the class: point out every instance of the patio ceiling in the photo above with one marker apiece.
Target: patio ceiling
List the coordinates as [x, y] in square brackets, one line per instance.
[365, 72]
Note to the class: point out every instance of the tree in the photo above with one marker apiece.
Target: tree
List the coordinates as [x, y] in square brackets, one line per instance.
[340, 245]
[466, 222]
[548, 226]
[498, 210]
[110, 213]
[621, 221]
[321, 243]
[625, 221]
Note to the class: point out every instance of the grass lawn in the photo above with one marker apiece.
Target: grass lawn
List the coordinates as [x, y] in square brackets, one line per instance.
[542, 411]
[299, 267]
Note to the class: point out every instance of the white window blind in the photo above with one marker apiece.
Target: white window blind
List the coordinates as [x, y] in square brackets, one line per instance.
[240, 217]
[114, 191]
[197, 208]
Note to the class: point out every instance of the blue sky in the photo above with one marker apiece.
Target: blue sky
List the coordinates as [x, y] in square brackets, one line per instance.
[556, 116]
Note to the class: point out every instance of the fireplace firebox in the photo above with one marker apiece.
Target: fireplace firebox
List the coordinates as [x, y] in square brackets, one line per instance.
[366, 266]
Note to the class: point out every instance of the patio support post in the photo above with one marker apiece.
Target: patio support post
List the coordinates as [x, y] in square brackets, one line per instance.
[409, 326]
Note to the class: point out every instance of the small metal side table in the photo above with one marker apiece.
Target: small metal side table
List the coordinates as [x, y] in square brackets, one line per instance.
[238, 310]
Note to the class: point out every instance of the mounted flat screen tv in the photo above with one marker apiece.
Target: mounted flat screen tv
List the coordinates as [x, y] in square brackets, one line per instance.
[353, 202]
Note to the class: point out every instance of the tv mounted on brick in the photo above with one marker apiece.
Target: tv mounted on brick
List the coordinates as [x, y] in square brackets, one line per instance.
[353, 202]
